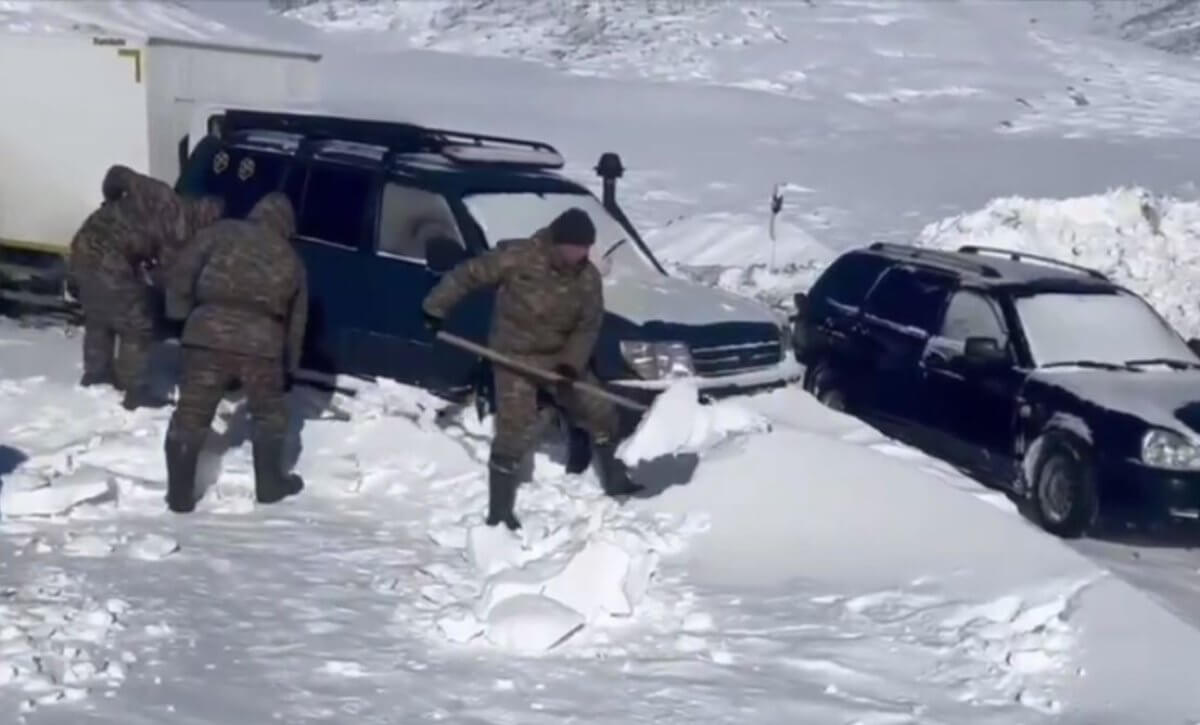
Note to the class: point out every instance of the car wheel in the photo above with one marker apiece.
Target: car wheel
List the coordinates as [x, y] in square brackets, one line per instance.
[1064, 498]
[827, 388]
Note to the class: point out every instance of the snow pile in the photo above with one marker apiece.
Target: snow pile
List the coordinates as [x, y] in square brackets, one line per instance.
[579, 565]
[58, 645]
[736, 253]
[677, 424]
[672, 39]
[1147, 243]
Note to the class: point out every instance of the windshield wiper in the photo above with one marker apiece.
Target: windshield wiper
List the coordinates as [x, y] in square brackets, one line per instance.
[613, 248]
[1168, 361]
[1085, 364]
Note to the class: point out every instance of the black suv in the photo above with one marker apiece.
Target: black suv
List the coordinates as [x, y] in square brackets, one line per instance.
[1037, 376]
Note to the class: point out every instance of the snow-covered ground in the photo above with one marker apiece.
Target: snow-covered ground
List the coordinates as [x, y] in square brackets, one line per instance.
[793, 564]
[741, 592]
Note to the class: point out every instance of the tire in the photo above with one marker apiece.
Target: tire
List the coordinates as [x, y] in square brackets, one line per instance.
[1063, 498]
[827, 388]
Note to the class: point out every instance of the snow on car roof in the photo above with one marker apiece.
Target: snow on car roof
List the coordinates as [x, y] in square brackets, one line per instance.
[154, 23]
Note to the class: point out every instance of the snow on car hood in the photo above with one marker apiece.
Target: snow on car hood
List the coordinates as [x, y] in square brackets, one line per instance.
[675, 300]
[1165, 398]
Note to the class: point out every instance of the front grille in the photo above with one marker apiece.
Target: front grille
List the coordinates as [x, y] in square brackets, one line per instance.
[737, 358]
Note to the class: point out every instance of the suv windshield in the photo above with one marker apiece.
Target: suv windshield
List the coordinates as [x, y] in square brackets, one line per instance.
[1112, 328]
[517, 215]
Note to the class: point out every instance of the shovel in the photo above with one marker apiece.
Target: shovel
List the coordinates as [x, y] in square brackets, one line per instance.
[534, 371]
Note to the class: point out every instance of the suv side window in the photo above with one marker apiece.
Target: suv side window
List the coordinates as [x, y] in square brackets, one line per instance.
[971, 314]
[909, 298]
[336, 205]
[846, 282]
[409, 218]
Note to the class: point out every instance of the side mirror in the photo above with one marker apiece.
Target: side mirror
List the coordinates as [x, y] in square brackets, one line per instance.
[443, 254]
[801, 300]
[1194, 344]
[984, 352]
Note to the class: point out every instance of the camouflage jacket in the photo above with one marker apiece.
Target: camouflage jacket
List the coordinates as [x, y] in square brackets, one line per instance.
[543, 308]
[141, 221]
[242, 287]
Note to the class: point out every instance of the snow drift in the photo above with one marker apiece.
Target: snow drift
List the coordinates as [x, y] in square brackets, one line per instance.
[1148, 243]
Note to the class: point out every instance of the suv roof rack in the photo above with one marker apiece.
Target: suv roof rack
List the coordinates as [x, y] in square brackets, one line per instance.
[937, 256]
[1026, 256]
[400, 137]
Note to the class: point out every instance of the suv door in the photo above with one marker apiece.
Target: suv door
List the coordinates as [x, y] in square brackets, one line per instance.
[336, 209]
[833, 306]
[897, 321]
[974, 407]
[410, 217]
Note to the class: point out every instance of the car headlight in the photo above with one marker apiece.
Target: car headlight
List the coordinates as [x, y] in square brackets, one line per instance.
[1167, 449]
[658, 360]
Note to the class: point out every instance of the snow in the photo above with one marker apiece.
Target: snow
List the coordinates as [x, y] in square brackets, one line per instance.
[789, 563]
[167, 19]
[678, 424]
[1113, 329]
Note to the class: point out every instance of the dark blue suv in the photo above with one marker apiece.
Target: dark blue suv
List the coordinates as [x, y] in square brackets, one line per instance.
[384, 208]
[1039, 376]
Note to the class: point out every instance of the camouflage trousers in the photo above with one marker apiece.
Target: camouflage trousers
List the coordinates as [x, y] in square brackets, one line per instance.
[117, 315]
[205, 376]
[517, 413]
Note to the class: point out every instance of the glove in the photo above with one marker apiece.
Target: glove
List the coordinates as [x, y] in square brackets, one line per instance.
[433, 323]
[564, 387]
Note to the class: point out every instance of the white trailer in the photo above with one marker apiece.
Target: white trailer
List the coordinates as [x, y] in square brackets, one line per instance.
[72, 103]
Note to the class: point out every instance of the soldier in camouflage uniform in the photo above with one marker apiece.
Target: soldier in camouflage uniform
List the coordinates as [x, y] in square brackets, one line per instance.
[243, 290]
[548, 311]
[142, 223]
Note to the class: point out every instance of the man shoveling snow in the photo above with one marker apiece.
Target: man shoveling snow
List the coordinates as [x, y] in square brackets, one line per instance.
[548, 312]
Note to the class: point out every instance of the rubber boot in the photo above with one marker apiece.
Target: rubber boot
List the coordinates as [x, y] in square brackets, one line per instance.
[182, 456]
[140, 396]
[502, 493]
[271, 484]
[614, 476]
[102, 377]
[579, 450]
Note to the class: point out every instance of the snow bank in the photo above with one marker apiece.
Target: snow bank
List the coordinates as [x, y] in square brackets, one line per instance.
[1147, 243]
[677, 423]
[736, 253]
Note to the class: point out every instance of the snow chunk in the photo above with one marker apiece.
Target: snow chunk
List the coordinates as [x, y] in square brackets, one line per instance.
[25, 497]
[493, 548]
[603, 578]
[678, 423]
[530, 623]
[153, 547]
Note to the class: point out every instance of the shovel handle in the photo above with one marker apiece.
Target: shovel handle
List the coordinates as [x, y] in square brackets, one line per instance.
[533, 370]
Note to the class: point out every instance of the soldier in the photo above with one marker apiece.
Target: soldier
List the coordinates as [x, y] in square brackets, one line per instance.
[548, 311]
[243, 290]
[141, 224]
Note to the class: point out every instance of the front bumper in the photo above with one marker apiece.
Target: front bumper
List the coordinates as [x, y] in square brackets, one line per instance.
[713, 388]
[1136, 489]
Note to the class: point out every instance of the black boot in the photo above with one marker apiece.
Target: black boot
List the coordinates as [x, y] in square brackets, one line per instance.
[140, 396]
[614, 476]
[579, 450]
[182, 456]
[102, 377]
[271, 484]
[502, 493]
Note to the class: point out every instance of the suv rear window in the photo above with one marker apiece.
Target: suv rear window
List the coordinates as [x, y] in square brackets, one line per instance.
[846, 282]
[242, 177]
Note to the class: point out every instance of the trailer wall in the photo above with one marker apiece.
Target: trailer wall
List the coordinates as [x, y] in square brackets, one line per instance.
[182, 77]
[72, 105]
